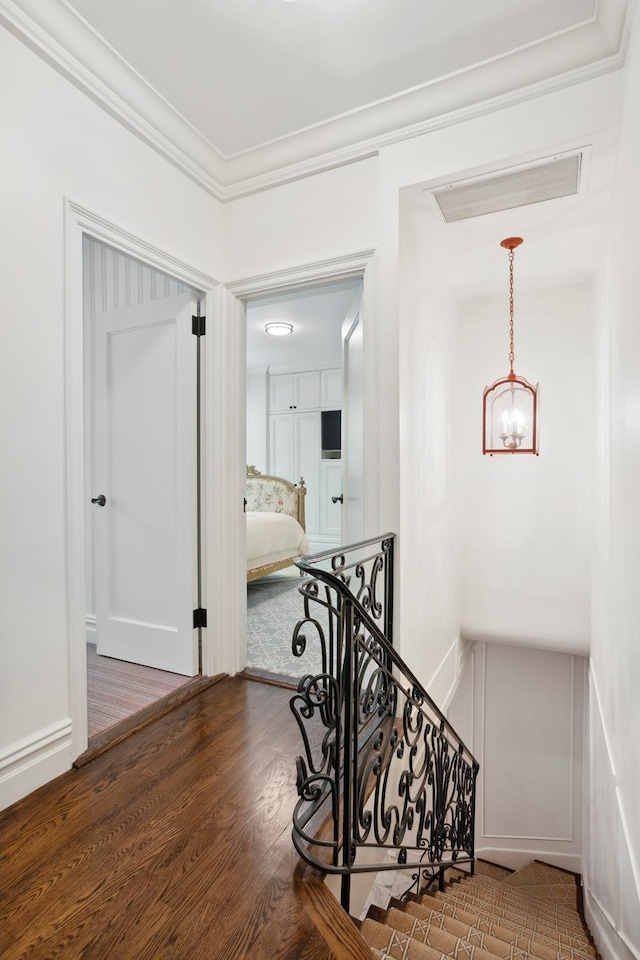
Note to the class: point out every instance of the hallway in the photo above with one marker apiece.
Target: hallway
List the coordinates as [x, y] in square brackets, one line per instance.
[174, 844]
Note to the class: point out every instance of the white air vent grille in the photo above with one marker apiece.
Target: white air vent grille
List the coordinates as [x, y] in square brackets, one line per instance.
[547, 180]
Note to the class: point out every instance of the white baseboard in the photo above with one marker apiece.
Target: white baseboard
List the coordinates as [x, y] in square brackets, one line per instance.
[444, 682]
[32, 762]
[610, 944]
[92, 628]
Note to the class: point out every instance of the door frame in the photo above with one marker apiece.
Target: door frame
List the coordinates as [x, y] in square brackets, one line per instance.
[360, 264]
[79, 220]
[354, 315]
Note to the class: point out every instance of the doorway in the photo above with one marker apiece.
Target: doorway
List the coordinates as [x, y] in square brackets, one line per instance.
[304, 400]
[142, 486]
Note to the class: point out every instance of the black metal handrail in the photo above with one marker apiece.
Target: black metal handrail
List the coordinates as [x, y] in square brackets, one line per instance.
[385, 782]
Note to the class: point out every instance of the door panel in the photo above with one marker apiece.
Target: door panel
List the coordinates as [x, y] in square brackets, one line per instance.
[331, 513]
[145, 548]
[307, 446]
[305, 390]
[281, 453]
[281, 393]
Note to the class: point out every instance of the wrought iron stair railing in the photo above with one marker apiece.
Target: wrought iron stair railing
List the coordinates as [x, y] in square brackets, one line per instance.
[384, 781]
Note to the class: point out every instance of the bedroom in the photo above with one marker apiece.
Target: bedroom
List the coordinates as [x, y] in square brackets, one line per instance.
[300, 423]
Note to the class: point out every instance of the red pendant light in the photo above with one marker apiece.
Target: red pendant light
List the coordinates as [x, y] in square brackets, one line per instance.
[510, 405]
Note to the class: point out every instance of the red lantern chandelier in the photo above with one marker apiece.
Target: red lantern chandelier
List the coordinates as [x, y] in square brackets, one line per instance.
[510, 405]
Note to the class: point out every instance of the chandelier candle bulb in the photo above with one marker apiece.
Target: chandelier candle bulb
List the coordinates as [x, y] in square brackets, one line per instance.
[505, 430]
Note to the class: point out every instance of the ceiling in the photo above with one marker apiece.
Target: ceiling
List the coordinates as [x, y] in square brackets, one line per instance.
[316, 313]
[247, 93]
[245, 72]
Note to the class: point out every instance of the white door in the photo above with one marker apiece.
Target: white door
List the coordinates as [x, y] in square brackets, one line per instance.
[353, 427]
[331, 507]
[145, 533]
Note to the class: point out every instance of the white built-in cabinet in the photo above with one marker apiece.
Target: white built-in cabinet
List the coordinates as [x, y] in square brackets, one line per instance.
[294, 391]
[295, 403]
[294, 449]
[331, 389]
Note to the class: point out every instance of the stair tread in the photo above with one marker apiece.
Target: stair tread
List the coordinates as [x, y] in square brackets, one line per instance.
[440, 942]
[544, 947]
[477, 938]
[529, 914]
[529, 919]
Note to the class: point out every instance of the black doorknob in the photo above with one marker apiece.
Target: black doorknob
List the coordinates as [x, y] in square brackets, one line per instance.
[336, 499]
[101, 500]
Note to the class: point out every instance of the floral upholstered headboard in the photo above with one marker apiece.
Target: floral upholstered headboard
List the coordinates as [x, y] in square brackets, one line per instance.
[268, 494]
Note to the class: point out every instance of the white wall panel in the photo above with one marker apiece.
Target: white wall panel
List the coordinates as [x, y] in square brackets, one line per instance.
[520, 711]
[612, 881]
[528, 702]
[612, 900]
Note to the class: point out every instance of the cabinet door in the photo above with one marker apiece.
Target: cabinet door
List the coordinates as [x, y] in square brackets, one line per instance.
[331, 388]
[280, 393]
[305, 390]
[331, 513]
[306, 428]
[281, 447]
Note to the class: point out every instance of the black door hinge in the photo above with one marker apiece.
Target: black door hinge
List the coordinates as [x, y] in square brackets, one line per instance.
[200, 617]
[245, 504]
[198, 326]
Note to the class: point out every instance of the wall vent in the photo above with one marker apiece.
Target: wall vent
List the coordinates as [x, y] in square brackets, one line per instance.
[548, 179]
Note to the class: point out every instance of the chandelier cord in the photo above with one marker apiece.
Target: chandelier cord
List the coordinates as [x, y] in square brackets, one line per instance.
[511, 347]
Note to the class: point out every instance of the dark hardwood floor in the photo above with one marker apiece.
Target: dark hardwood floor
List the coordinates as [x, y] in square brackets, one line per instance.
[174, 844]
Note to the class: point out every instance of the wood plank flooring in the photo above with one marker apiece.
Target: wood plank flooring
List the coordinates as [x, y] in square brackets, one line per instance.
[174, 844]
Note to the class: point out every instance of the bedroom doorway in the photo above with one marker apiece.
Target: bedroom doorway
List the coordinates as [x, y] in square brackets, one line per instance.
[142, 515]
[304, 420]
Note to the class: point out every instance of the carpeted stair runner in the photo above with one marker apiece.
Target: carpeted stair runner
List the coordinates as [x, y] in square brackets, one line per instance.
[495, 915]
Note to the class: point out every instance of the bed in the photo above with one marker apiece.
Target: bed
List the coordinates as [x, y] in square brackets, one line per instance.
[275, 523]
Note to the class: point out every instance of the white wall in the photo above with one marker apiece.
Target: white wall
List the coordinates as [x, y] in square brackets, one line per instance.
[524, 522]
[428, 608]
[612, 863]
[257, 418]
[521, 713]
[57, 143]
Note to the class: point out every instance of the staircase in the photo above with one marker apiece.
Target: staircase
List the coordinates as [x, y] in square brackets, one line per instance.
[385, 784]
[533, 912]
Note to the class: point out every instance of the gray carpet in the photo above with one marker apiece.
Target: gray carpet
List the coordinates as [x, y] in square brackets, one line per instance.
[274, 606]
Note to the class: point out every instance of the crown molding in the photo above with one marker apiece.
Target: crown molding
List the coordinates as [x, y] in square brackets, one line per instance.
[366, 149]
[55, 31]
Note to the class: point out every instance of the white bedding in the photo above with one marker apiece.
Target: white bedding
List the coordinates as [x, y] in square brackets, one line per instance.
[272, 537]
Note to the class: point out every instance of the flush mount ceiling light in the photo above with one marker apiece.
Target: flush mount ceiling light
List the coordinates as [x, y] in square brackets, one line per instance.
[510, 405]
[278, 328]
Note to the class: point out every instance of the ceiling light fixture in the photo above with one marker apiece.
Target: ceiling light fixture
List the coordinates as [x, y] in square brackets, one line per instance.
[278, 328]
[510, 405]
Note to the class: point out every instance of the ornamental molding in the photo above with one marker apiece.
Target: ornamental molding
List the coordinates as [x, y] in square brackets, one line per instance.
[64, 40]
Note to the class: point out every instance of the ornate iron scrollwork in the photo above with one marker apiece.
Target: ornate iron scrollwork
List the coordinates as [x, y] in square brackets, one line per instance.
[379, 756]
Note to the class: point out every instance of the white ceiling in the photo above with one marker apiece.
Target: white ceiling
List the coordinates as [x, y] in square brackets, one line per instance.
[244, 94]
[245, 72]
[316, 314]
